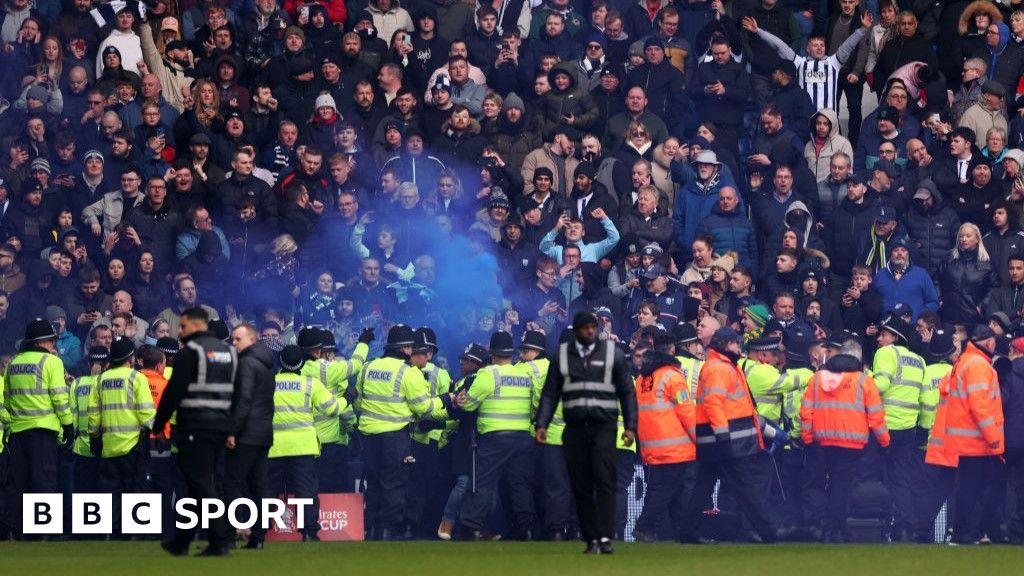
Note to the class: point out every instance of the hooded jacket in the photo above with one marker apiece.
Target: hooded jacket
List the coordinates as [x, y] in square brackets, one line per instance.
[933, 231]
[819, 153]
[695, 199]
[1005, 61]
[556, 104]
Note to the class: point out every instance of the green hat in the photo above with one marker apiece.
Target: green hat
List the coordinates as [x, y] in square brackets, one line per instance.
[758, 313]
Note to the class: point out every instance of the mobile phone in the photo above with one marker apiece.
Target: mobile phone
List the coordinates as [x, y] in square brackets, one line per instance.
[160, 131]
[506, 46]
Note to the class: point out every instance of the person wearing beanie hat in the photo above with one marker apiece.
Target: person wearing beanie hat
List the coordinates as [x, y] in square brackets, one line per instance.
[900, 280]
[900, 377]
[295, 448]
[391, 394]
[729, 440]
[590, 414]
[754, 319]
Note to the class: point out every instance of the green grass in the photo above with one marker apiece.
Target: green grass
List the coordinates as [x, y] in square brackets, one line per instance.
[535, 559]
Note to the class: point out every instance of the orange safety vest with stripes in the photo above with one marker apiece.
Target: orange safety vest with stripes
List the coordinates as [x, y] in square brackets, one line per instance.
[727, 423]
[974, 412]
[667, 421]
[838, 408]
[938, 453]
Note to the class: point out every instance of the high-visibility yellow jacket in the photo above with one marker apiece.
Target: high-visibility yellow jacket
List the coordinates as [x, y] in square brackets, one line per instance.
[36, 394]
[538, 371]
[120, 407]
[439, 381]
[334, 375]
[297, 401]
[899, 375]
[503, 397]
[767, 386]
[81, 392]
[933, 375]
[392, 394]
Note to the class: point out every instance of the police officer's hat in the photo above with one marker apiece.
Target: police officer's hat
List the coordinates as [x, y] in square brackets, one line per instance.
[837, 338]
[400, 336]
[684, 333]
[167, 345]
[429, 337]
[420, 344]
[99, 354]
[764, 344]
[39, 330]
[220, 331]
[121, 349]
[533, 340]
[798, 345]
[941, 346]
[474, 353]
[501, 344]
[897, 326]
[310, 339]
[292, 358]
[327, 337]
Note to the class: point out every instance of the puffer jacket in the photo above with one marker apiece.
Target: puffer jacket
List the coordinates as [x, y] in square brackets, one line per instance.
[252, 409]
[819, 158]
[965, 283]
[932, 231]
[732, 232]
[558, 103]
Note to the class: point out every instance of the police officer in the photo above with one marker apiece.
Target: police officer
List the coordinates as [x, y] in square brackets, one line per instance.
[36, 397]
[121, 415]
[502, 396]
[425, 489]
[86, 463]
[899, 375]
[169, 346]
[762, 369]
[332, 465]
[200, 390]
[554, 476]
[591, 379]
[391, 395]
[292, 470]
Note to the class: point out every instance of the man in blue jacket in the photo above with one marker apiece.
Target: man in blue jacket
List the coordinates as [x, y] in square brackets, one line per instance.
[698, 192]
[902, 282]
[729, 225]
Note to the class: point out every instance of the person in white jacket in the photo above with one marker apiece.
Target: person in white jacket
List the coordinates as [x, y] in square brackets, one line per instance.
[127, 42]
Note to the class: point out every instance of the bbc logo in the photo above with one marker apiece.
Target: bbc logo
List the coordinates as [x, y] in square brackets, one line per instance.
[92, 514]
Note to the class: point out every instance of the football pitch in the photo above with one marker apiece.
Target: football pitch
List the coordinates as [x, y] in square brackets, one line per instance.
[533, 559]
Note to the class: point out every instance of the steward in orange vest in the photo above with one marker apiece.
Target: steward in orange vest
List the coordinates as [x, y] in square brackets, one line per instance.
[728, 439]
[666, 434]
[973, 430]
[838, 408]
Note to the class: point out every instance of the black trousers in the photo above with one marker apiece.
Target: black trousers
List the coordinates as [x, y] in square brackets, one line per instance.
[198, 453]
[742, 476]
[854, 100]
[121, 475]
[590, 456]
[6, 523]
[332, 469]
[831, 473]
[669, 487]
[1015, 478]
[245, 471]
[296, 475]
[428, 490]
[792, 465]
[33, 467]
[936, 489]
[558, 508]
[384, 461]
[901, 459]
[625, 474]
[499, 455]
[977, 477]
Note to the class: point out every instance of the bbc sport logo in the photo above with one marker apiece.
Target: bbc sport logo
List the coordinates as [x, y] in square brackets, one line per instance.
[141, 514]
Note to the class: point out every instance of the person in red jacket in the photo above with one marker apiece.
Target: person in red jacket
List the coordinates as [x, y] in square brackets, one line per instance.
[666, 435]
[974, 432]
[839, 407]
[728, 440]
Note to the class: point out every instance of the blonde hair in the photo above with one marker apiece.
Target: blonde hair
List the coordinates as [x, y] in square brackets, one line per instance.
[982, 253]
[284, 244]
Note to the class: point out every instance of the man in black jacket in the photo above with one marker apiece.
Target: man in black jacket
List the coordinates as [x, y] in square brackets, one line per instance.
[592, 381]
[201, 391]
[252, 415]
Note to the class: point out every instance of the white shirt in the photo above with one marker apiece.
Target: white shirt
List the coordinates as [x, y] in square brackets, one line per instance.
[585, 351]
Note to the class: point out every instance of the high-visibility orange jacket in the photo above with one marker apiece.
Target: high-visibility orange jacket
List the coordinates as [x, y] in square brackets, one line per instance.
[838, 408]
[938, 453]
[157, 384]
[974, 414]
[666, 428]
[727, 424]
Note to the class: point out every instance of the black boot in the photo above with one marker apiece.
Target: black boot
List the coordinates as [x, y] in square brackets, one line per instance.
[310, 537]
[593, 548]
[254, 543]
[605, 546]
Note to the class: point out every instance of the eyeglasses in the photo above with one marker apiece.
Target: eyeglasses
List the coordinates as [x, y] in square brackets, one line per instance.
[593, 47]
[638, 134]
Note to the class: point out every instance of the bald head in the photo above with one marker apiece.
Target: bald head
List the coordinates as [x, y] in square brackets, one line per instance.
[122, 302]
[151, 86]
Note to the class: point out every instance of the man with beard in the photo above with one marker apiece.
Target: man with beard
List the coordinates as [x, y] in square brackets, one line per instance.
[901, 282]
[298, 94]
[588, 196]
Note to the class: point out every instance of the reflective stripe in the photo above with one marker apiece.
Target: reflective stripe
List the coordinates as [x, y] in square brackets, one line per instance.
[839, 435]
[588, 387]
[901, 404]
[206, 403]
[743, 433]
[27, 392]
[666, 442]
[767, 399]
[293, 425]
[386, 418]
[115, 406]
[31, 412]
[557, 421]
[986, 422]
[967, 432]
[116, 429]
[976, 387]
[327, 405]
[659, 405]
[591, 402]
[199, 388]
[720, 429]
[837, 405]
[291, 409]
[500, 416]
[380, 398]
